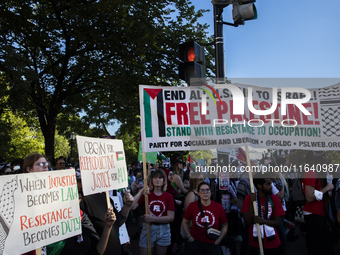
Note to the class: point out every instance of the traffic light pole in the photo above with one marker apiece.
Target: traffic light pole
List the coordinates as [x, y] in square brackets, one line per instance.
[219, 48]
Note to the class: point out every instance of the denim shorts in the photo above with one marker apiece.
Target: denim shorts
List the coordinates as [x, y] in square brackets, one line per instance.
[160, 235]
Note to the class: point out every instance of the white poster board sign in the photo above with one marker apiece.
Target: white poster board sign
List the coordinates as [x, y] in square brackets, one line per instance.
[37, 209]
[102, 164]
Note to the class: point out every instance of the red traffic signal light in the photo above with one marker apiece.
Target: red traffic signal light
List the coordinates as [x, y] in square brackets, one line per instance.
[191, 54]
[193, 66]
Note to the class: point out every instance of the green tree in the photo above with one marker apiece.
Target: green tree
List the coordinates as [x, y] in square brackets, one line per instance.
[202, 154]
[130, 135]
[72, 57]
[23, 139]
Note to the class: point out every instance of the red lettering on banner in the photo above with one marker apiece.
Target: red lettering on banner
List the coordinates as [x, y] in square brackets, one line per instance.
[193, 114]
[203, 117]
[234, 118]
[316, 113]
[306, 121]
[221, 109]
[251, 115]
[264, 105]
[276, 114]
[294, 113]
[169, 112]
[182, 114]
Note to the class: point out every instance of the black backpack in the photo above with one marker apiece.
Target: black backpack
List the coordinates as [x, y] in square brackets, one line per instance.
[298, 196]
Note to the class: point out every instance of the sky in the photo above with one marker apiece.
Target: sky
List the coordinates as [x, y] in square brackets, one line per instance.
[289, 39]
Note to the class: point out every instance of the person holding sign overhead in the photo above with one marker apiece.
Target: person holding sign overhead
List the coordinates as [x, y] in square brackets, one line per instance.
[95, 206]
[89, 242]
[162, 210]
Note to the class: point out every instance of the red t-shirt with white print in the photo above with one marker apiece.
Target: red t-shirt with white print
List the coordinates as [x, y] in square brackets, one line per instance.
[159, 205]
[214, 215]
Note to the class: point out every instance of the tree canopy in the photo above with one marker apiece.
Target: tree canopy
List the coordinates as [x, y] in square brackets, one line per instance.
[89, 56]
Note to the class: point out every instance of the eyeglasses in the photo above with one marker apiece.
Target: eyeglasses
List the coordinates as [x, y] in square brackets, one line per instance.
[204, 191]
[61, 163]
[43, 164]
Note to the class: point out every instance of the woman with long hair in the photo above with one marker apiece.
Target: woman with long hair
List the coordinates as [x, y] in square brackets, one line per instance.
[161, 208]
[177, 181]
[192, 195]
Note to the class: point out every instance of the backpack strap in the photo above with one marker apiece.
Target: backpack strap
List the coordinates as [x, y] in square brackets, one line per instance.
[196, 195]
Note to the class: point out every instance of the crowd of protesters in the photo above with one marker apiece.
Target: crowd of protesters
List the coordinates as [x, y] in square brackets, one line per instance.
[185, 219]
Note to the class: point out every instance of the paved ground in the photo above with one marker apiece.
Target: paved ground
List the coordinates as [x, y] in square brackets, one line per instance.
[293, 248]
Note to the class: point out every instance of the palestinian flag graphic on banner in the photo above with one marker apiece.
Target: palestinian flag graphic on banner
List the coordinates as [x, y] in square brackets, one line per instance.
[119, 155]
[153, 101]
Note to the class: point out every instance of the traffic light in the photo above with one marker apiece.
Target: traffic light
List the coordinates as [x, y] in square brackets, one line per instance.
[222, 3]
[193, 66]
[244, 10]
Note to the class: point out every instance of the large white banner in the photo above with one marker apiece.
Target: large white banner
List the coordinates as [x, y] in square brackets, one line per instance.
[217, 116]
[37, 209]
[102, 164]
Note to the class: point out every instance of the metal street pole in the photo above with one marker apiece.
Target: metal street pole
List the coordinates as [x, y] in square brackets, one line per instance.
[219, 47]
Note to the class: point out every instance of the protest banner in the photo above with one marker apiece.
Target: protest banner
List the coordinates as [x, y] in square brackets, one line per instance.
[102, 164]
[38, 209]
[217, 116]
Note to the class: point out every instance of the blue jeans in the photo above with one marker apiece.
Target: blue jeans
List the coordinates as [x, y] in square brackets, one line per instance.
[159, 234]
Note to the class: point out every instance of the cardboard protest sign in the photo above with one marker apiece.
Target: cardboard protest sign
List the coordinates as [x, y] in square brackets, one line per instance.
[37, 209]
[223, 115]
[102, 164]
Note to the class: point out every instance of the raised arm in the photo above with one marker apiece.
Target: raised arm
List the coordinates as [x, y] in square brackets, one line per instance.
[109, 219]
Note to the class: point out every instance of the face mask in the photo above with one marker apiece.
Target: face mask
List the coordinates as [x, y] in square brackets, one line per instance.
[16, 168]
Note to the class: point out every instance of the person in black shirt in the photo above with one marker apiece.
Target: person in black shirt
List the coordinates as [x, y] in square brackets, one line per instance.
[95, 206]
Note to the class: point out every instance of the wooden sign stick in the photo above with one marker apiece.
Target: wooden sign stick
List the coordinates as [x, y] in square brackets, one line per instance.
[254, 203]
[145, 173]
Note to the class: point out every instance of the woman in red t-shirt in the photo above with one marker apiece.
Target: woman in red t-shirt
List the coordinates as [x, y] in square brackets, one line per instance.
[214, 216]
[162, 210]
